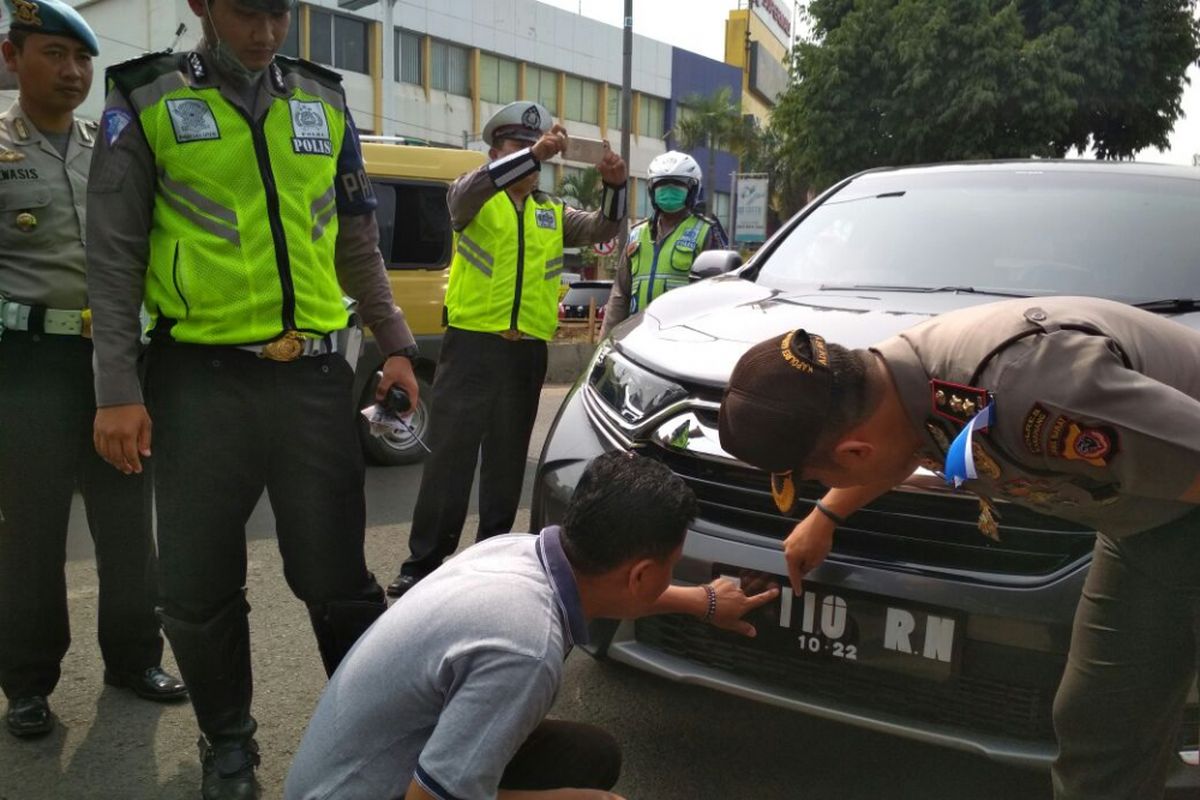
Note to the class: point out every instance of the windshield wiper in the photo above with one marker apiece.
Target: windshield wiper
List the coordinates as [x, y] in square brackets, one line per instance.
[1170, 304]
[873, 287]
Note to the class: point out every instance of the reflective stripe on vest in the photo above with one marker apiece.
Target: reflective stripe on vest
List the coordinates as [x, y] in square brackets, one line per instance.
[245, 214]
[506, 268]
[656, 269]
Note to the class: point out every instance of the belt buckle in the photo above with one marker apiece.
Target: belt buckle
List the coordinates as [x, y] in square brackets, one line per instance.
[85, 323]
[287, 347]
[511, 335]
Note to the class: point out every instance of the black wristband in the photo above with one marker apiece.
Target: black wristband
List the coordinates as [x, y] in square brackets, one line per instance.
[411, 352]
[837, 520]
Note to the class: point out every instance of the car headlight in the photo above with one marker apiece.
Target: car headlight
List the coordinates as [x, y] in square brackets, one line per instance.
[630, 392]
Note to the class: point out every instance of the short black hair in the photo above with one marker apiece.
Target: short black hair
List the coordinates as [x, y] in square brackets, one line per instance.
[625, 507]
[18, 38]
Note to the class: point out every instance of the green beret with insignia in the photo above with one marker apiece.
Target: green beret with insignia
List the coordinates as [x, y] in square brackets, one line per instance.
[51, 17]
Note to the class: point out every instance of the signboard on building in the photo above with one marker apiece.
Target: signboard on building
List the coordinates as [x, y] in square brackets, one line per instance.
[768, 78]
[750, 208]
[777, 16]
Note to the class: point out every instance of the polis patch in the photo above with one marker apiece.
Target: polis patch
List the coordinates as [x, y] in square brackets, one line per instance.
[310, 129]
[1069, 440]
[545, 219]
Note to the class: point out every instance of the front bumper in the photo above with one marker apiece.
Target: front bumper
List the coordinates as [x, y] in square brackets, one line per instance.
[998, 706]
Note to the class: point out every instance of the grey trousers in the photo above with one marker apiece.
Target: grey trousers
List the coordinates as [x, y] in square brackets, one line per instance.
[1133, 658]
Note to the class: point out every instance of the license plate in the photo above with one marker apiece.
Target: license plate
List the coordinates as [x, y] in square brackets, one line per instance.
[842, 626]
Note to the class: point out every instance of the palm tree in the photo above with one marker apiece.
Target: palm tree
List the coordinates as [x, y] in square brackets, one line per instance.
[582, 189]
[712, 121]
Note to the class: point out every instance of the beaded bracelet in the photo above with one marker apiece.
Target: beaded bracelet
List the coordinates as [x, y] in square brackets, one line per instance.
[712, 602]
[837, 519]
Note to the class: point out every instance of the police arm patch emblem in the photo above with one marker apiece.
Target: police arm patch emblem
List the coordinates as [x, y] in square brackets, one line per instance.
[113, 124]
[545, 219]
[192, 121]
[1095, 445]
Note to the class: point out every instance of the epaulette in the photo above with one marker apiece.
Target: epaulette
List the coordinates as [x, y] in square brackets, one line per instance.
[139, 71]
[321, 73]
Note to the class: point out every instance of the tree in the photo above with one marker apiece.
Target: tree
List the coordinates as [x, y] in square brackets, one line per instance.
[712, 121]
[582, 189]
[890, 82]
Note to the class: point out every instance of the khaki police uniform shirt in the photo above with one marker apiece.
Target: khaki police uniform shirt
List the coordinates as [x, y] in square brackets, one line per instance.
[122, 189]
[43, 213]
[1097, 407]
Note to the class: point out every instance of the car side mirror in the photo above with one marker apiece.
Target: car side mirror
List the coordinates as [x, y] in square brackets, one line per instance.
[715, 262]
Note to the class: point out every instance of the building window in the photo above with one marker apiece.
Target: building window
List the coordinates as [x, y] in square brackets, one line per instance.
[449, 68]
[614, 106]
[582, 98]
[291, 42]
[651, 120]
[542, 86]
[497, 79]
[341, 41]
[408, 57]
[414, 224]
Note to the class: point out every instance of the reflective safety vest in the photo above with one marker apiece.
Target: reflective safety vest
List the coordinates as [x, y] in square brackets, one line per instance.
[506, 268]
[245, 212]
[658, 268]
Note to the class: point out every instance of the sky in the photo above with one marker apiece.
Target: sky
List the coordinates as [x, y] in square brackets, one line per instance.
[699, 26]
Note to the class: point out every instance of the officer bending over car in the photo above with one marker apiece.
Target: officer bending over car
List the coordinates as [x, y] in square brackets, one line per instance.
[1095, 403]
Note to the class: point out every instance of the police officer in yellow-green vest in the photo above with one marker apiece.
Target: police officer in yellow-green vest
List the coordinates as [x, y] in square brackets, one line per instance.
[501, 308]
[228, 192]
[46, 400]
[661, 250]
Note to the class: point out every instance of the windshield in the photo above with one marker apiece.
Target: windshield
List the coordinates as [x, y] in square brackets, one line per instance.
[580, 295]
[1128, 237]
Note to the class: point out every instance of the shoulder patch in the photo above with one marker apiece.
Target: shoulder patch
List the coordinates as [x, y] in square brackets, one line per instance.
[1095, 445]
[114, 122]
[1033, 428]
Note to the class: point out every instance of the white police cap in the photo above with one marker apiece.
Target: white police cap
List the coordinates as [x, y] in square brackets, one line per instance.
[523, 119]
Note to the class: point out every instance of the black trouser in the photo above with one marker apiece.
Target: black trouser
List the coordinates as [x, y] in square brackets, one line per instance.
[485, 396]
[47, 407]
[1133, 658]
[564, 755]
[228, 424]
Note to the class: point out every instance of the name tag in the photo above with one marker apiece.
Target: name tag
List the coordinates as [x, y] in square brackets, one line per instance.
[545, 219]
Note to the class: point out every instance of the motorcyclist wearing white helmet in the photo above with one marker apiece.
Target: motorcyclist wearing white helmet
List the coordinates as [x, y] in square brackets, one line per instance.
[662, 248]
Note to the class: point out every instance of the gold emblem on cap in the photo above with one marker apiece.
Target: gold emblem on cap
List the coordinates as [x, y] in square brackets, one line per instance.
[783, 491]
[26, 12]
[26, 221]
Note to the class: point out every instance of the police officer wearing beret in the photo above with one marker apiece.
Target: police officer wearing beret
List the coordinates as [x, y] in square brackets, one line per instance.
[1079, 408]
[46, 399]
[501, 309]
[228, 192]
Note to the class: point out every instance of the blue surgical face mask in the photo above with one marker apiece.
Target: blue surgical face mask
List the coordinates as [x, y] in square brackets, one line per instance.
[670, 199]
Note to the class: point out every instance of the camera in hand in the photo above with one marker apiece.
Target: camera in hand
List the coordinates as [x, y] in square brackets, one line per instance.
[397, 401]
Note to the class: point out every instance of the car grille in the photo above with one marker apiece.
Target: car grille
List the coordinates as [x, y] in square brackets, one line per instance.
[977, 703]
[902, 529]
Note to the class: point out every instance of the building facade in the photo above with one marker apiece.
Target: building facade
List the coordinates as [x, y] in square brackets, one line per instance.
[758, 40]
[435, 70]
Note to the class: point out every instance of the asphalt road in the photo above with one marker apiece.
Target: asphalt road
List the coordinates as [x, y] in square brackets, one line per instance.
[679, 741]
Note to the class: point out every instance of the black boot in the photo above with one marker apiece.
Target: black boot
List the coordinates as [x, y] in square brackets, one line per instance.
[214, 659]
[339, 624]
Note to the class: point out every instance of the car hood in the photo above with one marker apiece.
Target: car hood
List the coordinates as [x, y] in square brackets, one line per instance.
[698, 332]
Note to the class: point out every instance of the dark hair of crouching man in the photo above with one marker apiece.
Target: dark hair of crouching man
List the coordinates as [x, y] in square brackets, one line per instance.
[446, 695]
